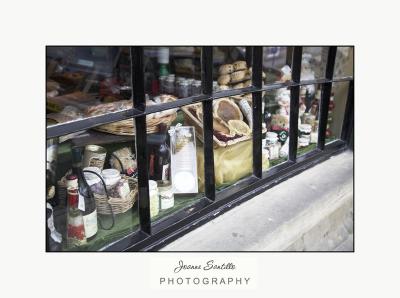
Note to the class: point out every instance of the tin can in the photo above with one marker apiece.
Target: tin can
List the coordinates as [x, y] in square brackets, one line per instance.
[94, 156]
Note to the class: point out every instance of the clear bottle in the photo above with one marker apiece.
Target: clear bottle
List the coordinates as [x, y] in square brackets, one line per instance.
[75, 226]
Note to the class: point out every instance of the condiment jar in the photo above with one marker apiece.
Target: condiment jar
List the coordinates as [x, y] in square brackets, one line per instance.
[154, 198]
[272, 145]
[196, 87]
[183, 88]
[305, 131]
[166, 195]
[170, 85]
[111, 177]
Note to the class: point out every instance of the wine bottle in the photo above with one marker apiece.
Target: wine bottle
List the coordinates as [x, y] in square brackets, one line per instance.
[163, 157]
[87, 202]
[75, 226]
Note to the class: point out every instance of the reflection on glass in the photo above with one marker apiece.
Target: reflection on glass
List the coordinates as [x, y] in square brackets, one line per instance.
[81, 77]
[276, 115]
[313, 63]
[337, 108]
[344, 62]
[174, 71]
[275, 68]
[176, 171]
[91, 188]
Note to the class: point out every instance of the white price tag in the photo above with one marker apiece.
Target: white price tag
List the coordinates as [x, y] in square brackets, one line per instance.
[81, 203]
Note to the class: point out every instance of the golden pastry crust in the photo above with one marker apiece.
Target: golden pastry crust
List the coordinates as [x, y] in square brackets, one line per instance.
[226, 109]
[238, 76]
[239, 65]
[247, 83]
[224, 79]
[226, 69]
[238, 86]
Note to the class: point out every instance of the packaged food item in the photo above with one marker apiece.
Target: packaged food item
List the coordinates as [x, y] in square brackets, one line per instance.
[93, 180]
[305, 131]
[124, 161]
[94, 156]
[166, 195]
[272, 145]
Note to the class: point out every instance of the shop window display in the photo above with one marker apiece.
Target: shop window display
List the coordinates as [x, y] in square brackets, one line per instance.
[313, 63]
[344, 62]
[276, 64]
[276, 116]
[175, 170]
[91, 197]
[78, 78]
[174, 71]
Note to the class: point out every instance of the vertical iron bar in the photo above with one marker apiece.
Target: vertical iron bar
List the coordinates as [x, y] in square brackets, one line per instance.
[289, 56]
[257, 113]
[137, 73]
[294, 103]
[348, 121]
[325, 98]
[208, 134]
[249, 55]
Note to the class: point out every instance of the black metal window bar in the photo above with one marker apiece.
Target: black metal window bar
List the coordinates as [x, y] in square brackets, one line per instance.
[154, 236]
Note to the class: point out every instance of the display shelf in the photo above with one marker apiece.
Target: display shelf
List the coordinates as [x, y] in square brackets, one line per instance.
[99, 138]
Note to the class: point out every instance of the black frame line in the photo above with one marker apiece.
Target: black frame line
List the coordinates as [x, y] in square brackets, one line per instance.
[154, 235]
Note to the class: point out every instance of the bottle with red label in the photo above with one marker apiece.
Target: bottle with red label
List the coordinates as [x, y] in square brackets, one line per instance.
[75, 226]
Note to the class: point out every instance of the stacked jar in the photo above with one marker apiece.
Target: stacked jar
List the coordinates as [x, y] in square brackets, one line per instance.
[304, 135]
[272, 145]
[154, 198]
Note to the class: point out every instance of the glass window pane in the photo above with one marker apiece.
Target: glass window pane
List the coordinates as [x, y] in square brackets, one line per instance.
[233, 144]
[310, 101]
[91, 187]
[230, 68]
[172, 71]
[276, 113]
[276, 66]
[80, 77]
[313, 64]
[344, 62]
[337, 108]
[175, 157]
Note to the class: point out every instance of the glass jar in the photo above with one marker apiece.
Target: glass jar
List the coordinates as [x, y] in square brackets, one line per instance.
[305, 131]
[170, 85]
[162, 80]
[190, 83]
[154, 198]
[272, 145]
[196, 87]
[111, 177]
[183, 88]
[166, 195]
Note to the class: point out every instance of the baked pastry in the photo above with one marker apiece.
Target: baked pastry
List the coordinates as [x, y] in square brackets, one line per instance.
[224, 87]
[238, 76]
[239, 65]
[239, 127]
[238, 86]
[226, 109]
[225, 69]
[224, 79]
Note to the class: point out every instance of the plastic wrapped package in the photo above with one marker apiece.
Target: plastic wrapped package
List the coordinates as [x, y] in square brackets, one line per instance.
[231, 163]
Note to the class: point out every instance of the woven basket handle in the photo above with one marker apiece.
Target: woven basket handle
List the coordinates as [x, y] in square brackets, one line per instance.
[108, 198]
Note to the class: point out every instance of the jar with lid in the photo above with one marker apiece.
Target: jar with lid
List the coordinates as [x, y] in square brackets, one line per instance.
[272, 145]
[111, 177]
[196, 87]
[314, 133]
[183, 88]
[190, 83]
[304, 135]
[170, 85]
[166, 195]
[154, 198]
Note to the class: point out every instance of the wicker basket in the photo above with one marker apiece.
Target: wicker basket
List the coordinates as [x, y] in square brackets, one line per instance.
[192, 120]
[117, 205]
[127, 127]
